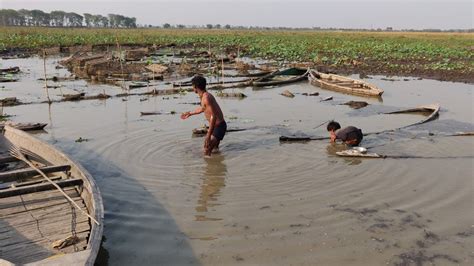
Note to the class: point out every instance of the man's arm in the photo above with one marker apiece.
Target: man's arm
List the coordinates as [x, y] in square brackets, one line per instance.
[195, 112]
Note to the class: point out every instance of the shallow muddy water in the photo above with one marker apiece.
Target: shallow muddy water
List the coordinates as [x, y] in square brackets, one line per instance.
[262, 202]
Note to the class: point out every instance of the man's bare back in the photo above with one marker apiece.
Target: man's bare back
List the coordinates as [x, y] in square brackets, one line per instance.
[210, 106]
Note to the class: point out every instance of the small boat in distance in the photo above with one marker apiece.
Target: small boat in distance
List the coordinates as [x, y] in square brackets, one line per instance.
[343, 84]
[40, 225]
[282, 77]
[24, 126]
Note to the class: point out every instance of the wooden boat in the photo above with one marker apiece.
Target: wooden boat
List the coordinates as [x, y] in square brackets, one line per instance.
[343, 84]
[431, 109]
[24, 126]
[39, 225]
[199, 132]
[10, 70]
[8, 79]
[157, 113]
[282, 77]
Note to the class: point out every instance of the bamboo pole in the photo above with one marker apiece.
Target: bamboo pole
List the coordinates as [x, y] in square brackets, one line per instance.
[121, 66]
[45, 79]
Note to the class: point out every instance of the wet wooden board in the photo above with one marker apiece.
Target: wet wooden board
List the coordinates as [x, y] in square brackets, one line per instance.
[30, 172]
[39, 187]
[30, 223]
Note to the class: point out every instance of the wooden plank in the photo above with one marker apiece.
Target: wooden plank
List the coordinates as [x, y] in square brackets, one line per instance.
[42, 195]
[39, 187]
[51, 213]
[52, 232]
[8, 159]
[29, 172]
[38, 250]
[36, 205]
[31, 182]
[54, 215]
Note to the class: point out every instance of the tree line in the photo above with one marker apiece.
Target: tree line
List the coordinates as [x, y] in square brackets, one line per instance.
[24, 17]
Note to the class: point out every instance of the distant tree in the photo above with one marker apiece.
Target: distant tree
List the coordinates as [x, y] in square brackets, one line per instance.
[209, 26]
[181, 26]
[217, 26]
[39, 18]
[10, 17]
[57, 18]
[166, 26]
[227, 26]
[88, 19]
[74, 19]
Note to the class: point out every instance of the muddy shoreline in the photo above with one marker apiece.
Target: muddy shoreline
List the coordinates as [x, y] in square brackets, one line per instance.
[364, 68]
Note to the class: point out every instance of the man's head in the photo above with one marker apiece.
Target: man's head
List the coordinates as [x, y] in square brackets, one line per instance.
[199, 83]
[333, 126]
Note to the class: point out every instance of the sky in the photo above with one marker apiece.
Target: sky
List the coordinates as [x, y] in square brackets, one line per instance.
[355, 14]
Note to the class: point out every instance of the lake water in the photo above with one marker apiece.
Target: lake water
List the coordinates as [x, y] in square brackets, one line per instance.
[259, 201]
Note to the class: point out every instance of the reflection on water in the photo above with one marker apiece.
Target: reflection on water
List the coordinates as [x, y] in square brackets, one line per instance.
[213, 181]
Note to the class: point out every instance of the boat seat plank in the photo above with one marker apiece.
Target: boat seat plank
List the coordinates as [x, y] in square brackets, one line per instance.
[37, 197]
[8, 159]
[28, 183]
[39, 187]
[10, 176]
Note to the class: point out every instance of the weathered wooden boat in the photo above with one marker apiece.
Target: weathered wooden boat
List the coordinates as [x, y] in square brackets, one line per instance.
[199, 132]
[24, 126]
[138, 84]
[10, 70]
[157, 113]
[38, 224]
[432, 111]
[343, 84]
[188, 83]
[238, 95]
[282, 77]
[8, 78]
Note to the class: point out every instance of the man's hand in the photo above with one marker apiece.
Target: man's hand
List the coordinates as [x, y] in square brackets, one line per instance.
[333, 137]
[185, 115]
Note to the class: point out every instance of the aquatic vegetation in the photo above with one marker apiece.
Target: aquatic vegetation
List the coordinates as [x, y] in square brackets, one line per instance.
[391, 50]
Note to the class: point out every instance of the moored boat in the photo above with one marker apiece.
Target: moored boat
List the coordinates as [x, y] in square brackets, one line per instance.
[343, 84]
[282, 77]
[40, 225]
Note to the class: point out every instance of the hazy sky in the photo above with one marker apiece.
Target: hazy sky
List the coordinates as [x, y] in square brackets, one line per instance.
[401, 14]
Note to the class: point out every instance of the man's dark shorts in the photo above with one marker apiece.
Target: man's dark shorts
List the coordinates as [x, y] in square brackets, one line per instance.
[219, 130]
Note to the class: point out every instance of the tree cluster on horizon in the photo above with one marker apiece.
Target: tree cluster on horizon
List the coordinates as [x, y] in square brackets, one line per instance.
[58, 18]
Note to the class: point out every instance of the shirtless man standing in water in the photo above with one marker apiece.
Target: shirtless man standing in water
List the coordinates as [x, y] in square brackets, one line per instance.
[213, 113]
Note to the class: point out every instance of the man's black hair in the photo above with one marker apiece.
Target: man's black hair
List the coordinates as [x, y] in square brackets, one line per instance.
[199, 82]
[333, 125]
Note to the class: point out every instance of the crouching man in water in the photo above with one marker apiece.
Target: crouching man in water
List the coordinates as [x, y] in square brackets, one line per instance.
[349, 135]
[213, 113]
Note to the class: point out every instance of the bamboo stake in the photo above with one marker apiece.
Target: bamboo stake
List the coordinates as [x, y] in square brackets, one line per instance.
[121, 66]
[16, 152]
[222, 71]
[45, 79]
